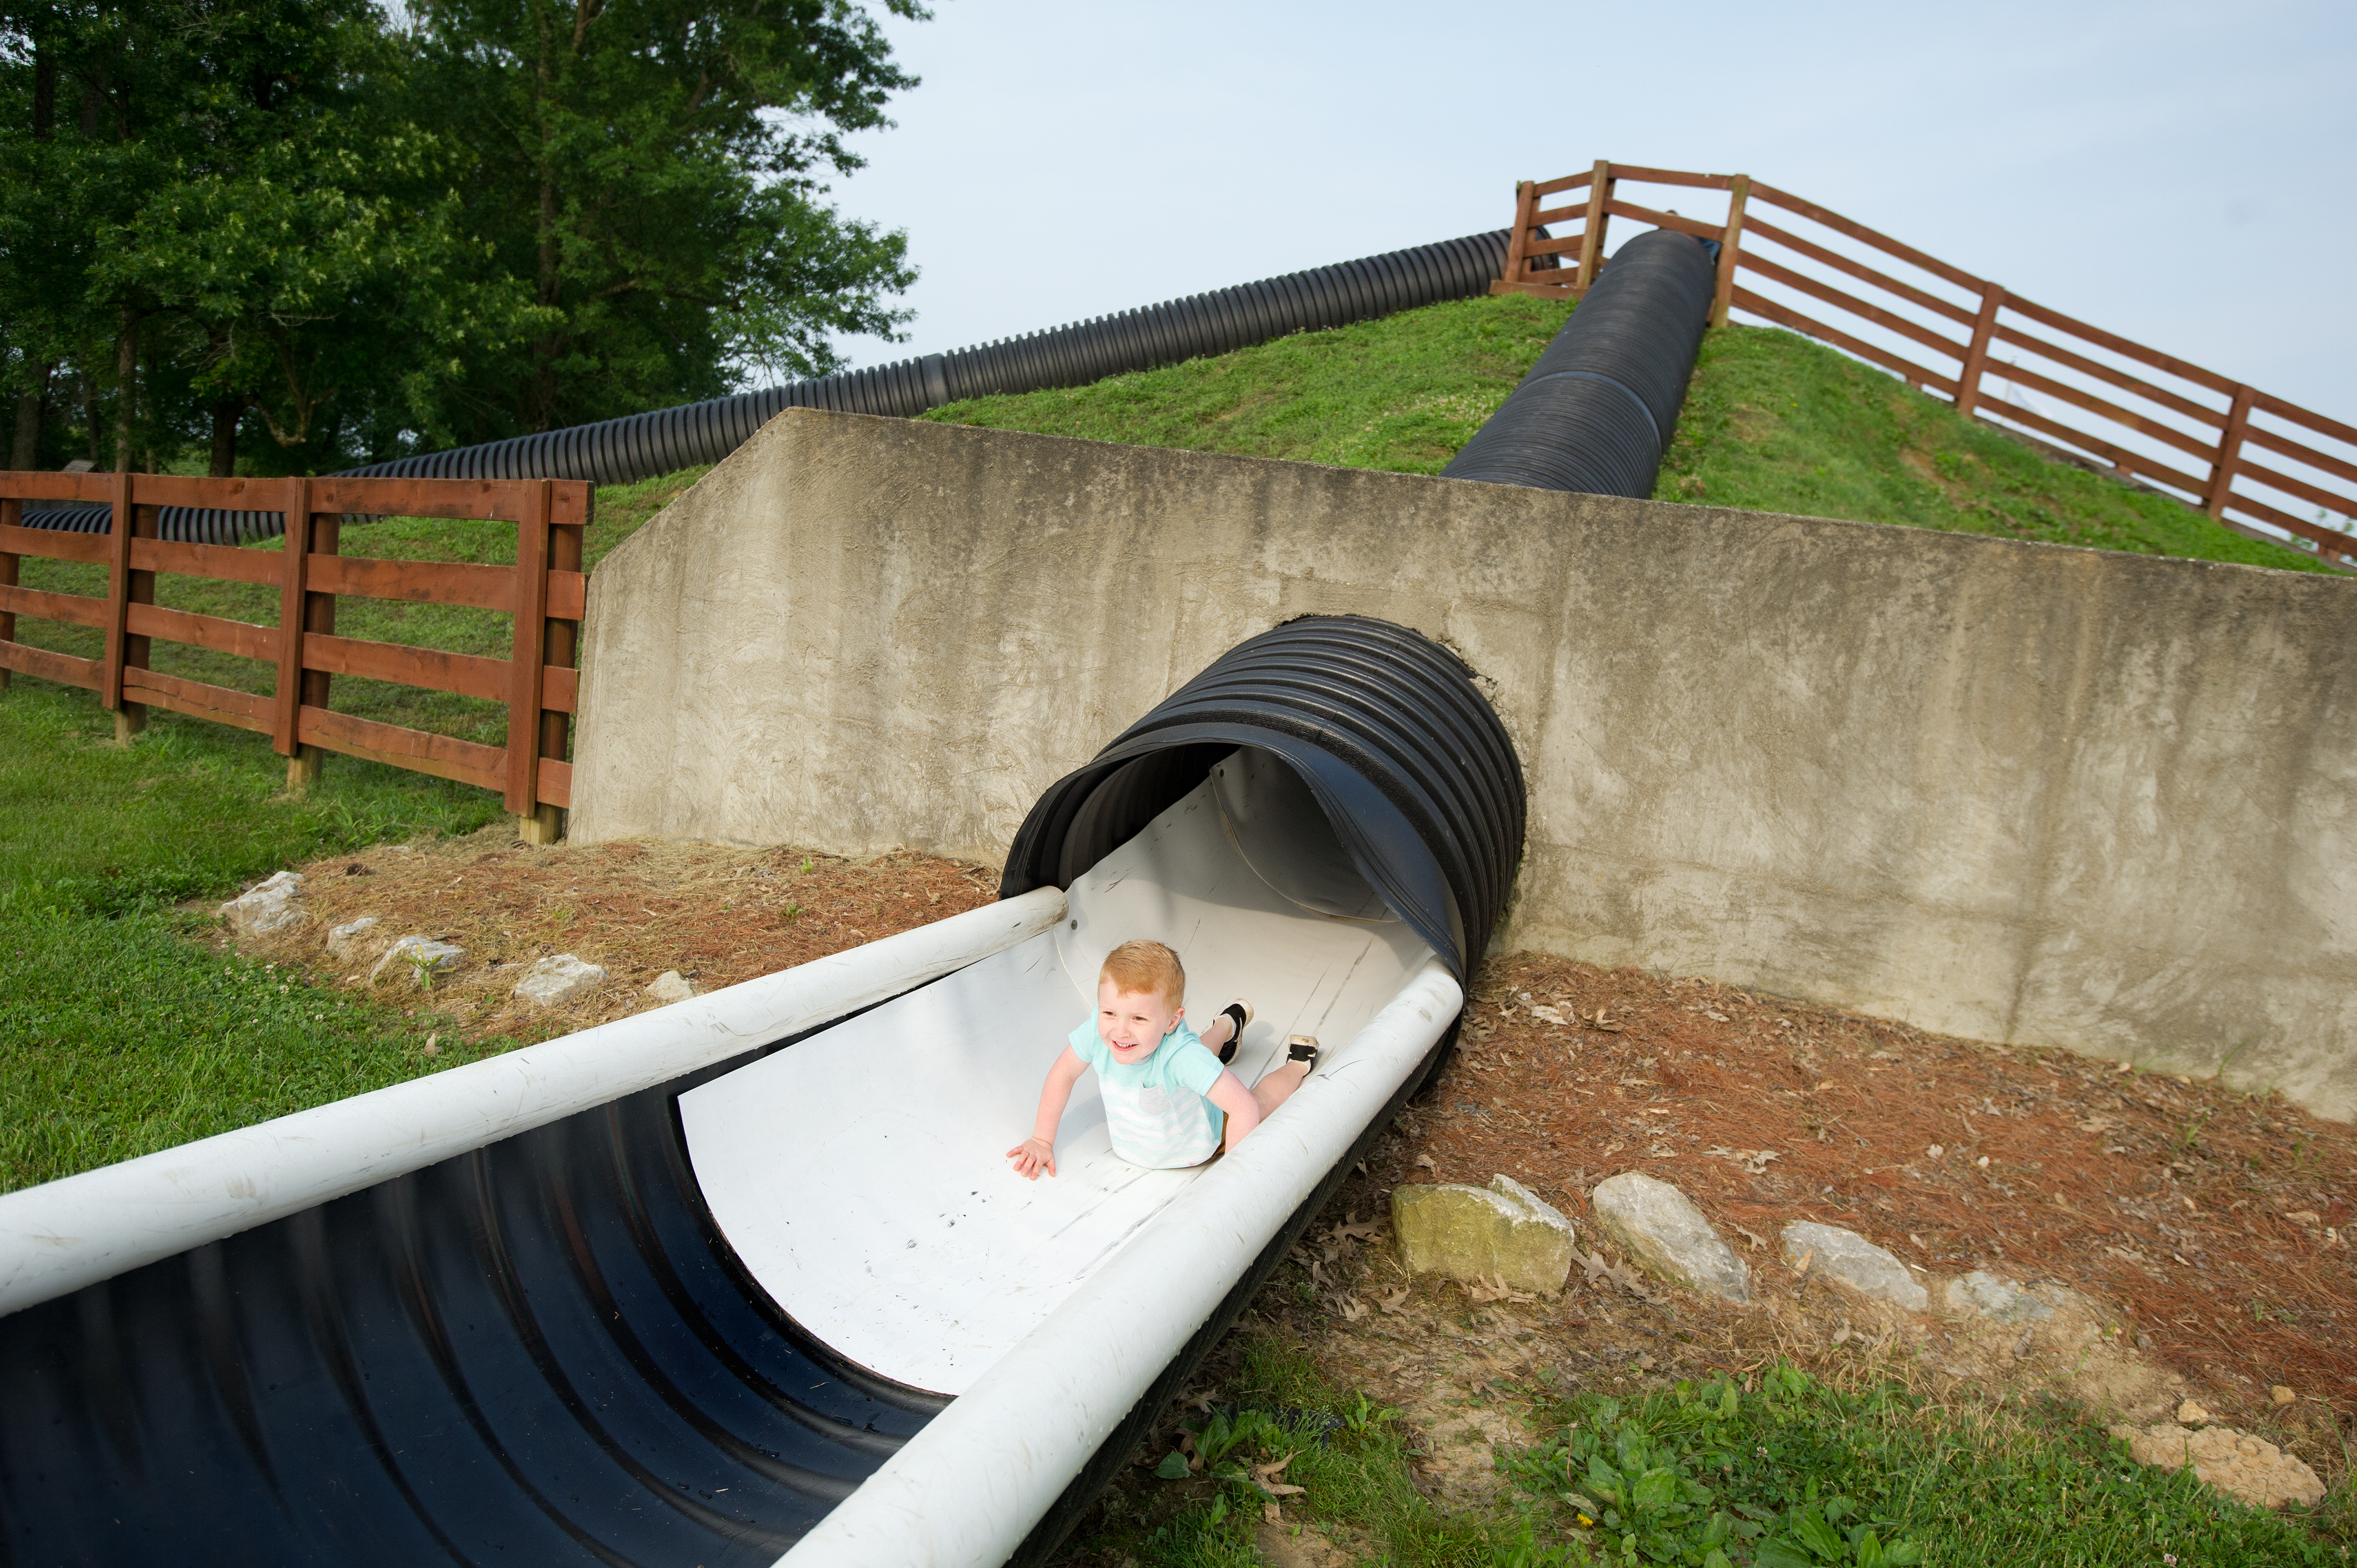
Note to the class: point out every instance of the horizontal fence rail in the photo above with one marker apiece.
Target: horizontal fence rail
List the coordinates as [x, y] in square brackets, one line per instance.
[2244, 458]
[544, 593]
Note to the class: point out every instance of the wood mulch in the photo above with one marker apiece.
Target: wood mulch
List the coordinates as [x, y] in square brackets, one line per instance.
[717, 914]
[2216, 1223]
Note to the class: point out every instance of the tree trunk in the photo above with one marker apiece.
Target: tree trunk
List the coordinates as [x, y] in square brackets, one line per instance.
[226, 414]
[126, 385]
[24, 453]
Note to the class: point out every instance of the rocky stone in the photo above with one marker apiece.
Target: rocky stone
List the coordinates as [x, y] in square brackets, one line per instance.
[558, 979]
[2190, 1413]
[1982, 1295]
[1501, 1231]
[350, 938]
[1850, 1259]
[2281, 1395]
[2235, 1463]
[417, 958]
[672, 986]
[268, 906]
[1660, 1227]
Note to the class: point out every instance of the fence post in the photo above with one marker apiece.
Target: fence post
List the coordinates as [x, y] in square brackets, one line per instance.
[1968, 381]
[139, 589]
[2230, 451]
[562, 648]
[1591, 239]
[11, 516]
[1731, 245]
[286, 737]
[324, 534]
[1525, 203]
[118, 615]
[535, 825]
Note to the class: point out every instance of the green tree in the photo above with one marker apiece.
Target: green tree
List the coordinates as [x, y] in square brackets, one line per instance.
[652, 169]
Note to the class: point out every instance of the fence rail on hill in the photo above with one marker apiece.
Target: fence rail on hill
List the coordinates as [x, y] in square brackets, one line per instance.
[2008, 361]
[543, 592]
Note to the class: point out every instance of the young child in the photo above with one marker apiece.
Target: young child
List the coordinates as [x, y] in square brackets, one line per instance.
[1168, 1097]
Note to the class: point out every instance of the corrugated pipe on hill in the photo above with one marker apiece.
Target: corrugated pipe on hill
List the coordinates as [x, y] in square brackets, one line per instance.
[1596, 413]
[640, 445]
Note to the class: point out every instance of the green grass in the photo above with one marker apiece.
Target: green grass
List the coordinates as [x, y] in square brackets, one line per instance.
[1402, 393]
[1775, 422]
[1355, 1480]
[119, 1033]
[1792, 1474]
[456, 629]
[1802, 1474]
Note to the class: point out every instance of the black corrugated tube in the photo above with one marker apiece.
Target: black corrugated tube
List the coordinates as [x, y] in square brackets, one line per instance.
[1384, 725]
[540, 1352]
[1422, 786]
[640, 445]
[1596, 410]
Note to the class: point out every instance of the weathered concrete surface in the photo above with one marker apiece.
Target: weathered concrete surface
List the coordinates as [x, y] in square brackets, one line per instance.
[2019, 792]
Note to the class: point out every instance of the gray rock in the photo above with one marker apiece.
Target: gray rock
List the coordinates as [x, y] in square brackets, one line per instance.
[1667, 1235]
[421, 958]
[1851, 1259]
[1502, 1231]
[558, 979]
[269, 906]
[672, 986]
[348, 939]
[1982, 1294]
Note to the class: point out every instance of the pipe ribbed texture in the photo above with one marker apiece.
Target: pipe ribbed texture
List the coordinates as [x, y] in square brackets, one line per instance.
[640, 445]
[1596, 410]
[1384, 725]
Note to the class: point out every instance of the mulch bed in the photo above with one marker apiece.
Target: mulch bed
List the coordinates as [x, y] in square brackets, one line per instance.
[717, 914]
[2217, 1222]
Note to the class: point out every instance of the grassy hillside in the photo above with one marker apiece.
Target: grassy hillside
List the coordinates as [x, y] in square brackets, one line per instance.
[1776, 423]
[1773, 423]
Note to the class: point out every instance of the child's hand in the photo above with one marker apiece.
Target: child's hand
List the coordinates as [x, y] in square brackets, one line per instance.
[1031, 1157]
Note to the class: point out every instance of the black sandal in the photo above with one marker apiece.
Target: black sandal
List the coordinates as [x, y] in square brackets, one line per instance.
[1303, 1048]
[1240, 1011]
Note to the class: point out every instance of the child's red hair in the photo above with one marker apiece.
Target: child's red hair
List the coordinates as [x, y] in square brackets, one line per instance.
[1147, 967]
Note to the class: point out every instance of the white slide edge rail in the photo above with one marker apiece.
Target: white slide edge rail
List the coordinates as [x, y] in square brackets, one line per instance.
[59, 1237]
[968, 1489]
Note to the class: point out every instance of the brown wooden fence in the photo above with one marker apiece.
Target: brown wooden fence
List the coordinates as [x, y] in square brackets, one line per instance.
[544, 591]
[2239, 455]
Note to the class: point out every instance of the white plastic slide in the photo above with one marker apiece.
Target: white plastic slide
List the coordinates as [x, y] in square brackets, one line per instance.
[862, 1176]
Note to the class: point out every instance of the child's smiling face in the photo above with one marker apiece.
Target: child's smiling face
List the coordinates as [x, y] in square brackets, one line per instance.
[1132, 1023]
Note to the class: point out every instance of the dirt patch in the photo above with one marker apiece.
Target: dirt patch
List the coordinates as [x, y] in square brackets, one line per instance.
[717, 914]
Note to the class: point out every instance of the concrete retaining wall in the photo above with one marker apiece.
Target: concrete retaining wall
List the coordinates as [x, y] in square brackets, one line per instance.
[2015, 791]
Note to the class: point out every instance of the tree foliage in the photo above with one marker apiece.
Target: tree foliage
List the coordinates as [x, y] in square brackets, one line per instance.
[291, 235]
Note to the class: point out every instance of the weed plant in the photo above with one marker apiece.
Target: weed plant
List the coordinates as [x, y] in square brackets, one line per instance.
[1801, 1474]
[1790, 1472]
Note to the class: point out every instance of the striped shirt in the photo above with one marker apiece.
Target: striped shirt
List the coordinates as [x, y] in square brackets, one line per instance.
[1155, 1109]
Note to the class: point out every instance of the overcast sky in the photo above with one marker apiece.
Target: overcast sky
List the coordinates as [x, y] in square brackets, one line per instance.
[2179, 174]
